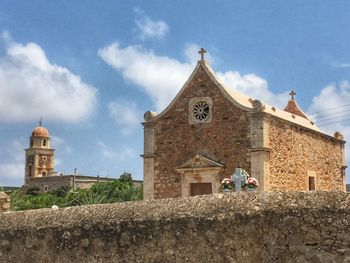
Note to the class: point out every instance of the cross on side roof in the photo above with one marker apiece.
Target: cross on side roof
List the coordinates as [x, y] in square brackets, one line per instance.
[292, 94]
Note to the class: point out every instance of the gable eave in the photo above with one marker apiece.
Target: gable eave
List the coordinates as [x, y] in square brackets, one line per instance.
[159, 115]
[239, 100]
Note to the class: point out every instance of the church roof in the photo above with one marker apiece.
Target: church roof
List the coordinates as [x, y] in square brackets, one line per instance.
[292, 113]
[247, 103]
[40, 132]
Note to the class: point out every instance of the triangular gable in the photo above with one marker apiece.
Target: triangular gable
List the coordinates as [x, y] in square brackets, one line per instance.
[239, 100]
[199, 162]
[294, 108]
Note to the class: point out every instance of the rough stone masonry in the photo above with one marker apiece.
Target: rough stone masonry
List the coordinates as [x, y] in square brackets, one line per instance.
[235, 227]
[4, 202]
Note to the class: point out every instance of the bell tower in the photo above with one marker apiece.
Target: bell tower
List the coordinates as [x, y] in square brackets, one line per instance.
[39, 157]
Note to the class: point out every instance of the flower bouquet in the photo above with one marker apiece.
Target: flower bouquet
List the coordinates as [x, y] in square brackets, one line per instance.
[227, 185]
[251, 184]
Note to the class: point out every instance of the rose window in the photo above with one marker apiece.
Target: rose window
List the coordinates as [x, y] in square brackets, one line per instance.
[201, 110]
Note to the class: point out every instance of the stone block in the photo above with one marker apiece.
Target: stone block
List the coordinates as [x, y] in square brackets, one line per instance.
[5, 202]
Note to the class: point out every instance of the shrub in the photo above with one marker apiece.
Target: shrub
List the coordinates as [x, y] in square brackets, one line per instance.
[34, 191]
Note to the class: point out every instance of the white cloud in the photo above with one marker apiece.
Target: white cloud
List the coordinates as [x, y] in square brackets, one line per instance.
[253, 86]
[125, 115]
[12, 174]
[12, 169]
[162, 77]
[119, 155]
[330, 110]
[149, 28]
[31, 86]
[331, 100]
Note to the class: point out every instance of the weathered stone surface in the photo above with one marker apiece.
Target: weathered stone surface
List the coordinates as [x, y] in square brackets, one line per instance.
[224, 139]
[4, 202]
[287, 227]
[296, 151]
[281, 149]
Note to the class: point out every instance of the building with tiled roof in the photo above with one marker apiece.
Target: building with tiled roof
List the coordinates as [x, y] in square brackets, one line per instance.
[209, 130]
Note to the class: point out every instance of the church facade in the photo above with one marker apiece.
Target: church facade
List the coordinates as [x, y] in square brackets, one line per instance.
[209, 130]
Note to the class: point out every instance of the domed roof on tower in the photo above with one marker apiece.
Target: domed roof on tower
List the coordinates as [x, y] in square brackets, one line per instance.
[40, 131]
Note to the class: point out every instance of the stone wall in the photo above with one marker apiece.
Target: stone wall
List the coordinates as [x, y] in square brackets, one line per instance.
[297, 153]
[4, 202]
[76, 181]
[224, 139]
[52, 182]
[237, 227]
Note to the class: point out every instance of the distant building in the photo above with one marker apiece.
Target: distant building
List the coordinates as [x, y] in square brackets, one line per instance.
[39, 157]
[39, 166]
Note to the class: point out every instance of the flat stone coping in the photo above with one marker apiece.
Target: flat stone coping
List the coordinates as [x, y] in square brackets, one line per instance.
[216, 206]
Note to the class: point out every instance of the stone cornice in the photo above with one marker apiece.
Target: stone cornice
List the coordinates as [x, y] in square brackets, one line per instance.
[261, 149]
[198, 169]
[148, 155]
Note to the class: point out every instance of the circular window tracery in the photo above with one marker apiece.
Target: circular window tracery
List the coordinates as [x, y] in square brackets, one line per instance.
[201, 110]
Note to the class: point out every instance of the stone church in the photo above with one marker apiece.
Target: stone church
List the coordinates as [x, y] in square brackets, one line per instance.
[209, 130]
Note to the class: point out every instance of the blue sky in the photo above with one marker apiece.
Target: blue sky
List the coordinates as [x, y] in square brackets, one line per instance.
[92, 68]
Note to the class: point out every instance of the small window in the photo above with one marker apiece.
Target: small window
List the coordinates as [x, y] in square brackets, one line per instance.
[44, 173]
[312, 185]
[31, 142]
[44, 142]
[46, 188]
[30, 170]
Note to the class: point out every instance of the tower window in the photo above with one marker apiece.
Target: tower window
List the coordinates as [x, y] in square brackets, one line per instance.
[44, 142]
[30, 172]
[44, 173]
[31, 142]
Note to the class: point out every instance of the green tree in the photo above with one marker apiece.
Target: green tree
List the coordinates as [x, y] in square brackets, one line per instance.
[126, 177]
[118, 190]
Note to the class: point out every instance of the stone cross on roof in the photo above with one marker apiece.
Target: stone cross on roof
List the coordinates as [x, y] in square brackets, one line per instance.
[292, 94]
[41, 122]
[202, 51]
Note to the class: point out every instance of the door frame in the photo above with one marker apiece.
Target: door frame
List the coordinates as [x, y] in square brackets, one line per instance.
[192, 185]
[192, 177]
